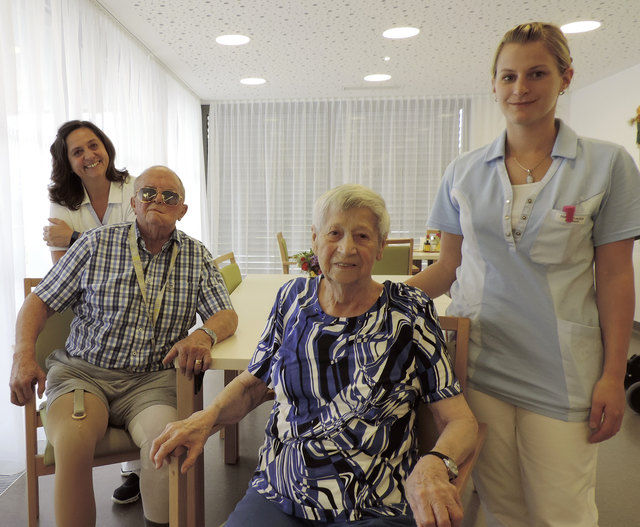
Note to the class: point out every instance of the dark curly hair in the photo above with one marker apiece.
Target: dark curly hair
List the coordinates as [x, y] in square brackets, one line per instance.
[66, 187]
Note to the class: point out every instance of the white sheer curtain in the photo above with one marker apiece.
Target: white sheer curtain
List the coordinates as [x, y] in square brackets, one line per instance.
[61, 60]
[269, 161]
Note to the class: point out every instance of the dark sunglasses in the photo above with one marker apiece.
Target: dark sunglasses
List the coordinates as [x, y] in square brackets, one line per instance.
[169, 197]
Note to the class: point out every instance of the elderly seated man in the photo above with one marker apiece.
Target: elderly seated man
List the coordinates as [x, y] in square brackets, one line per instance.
[135, 289]
[348, 359]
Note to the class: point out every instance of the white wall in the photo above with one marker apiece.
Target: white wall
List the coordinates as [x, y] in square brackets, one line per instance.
[602, 110]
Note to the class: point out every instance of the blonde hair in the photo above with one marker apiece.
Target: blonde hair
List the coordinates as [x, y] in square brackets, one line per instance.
[549, 34]
[351, 196]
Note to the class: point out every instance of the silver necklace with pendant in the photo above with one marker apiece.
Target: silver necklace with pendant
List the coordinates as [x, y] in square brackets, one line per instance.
[529, 171]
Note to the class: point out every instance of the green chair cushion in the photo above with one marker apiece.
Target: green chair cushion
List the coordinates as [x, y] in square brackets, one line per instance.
[232, 276]
[395, 260]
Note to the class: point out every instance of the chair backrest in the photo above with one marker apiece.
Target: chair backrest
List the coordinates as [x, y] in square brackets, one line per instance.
[456, 331]
[426, 429]
[397, 257]
[284, 253]
[55, 332]
[230, 273]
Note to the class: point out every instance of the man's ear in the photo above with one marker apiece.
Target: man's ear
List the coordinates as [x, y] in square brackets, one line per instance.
[185, 207]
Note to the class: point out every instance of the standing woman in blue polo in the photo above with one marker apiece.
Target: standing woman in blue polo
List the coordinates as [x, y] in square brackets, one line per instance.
[537, 237]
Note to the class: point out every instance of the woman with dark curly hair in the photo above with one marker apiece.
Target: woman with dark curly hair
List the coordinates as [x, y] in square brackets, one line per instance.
[86, 189]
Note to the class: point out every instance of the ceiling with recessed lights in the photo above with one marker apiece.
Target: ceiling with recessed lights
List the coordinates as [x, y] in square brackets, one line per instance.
[324, 48]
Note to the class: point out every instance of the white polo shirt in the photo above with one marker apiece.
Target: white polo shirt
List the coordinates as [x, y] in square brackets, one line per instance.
[529, 289]
[85, 218]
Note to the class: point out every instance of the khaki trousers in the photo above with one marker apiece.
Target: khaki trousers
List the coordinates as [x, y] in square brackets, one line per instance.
[533, 471]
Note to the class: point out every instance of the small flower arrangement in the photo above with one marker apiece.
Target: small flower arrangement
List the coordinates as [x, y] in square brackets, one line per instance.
[308, 262]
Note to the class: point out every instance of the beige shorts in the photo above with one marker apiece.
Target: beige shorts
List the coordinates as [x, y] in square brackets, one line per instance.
[124, 393]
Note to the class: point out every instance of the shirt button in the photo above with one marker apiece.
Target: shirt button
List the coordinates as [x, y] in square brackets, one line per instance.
[507, 234]
[529, 200]
[517, 233]
[524, 217]
[506, 217]
[508, 201]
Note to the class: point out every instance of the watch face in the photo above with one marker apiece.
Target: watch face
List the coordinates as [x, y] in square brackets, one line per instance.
[452, 468]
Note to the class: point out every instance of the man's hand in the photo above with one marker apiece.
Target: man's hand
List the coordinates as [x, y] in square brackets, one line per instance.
[607, 409]
[193, 353]
[435, 502]
[25, 374]
[58, 234]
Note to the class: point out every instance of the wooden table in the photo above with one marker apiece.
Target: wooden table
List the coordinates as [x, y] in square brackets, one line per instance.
[424, 256]
[252, 300]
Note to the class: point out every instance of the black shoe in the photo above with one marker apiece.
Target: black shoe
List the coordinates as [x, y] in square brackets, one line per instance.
[125, 473]
[128, 492]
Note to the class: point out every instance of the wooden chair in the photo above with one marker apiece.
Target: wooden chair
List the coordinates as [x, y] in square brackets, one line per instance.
[230, 273]
[116, 445]
[397, 257]
[456, 331]
[284, 254]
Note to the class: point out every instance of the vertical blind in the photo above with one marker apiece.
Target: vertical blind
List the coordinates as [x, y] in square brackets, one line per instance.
[269, 161]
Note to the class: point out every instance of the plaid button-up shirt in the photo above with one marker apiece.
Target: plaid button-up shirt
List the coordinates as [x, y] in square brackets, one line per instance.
[112, 326]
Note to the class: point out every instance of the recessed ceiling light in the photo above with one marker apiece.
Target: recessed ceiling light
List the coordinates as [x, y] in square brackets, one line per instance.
[377, 77]
[387, 59]
[401, 32]
[232, 40]
[252, 81]
[580, 27]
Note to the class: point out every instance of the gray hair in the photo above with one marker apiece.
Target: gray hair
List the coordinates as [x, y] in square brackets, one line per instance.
[350, 196]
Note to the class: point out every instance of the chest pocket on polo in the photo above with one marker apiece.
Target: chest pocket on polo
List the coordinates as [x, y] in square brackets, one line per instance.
[562, 242]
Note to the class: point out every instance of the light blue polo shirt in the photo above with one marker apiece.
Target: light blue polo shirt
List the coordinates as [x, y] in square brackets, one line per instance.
[529, 290]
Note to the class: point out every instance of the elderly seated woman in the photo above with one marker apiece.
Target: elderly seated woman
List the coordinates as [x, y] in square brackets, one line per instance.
[348, 359]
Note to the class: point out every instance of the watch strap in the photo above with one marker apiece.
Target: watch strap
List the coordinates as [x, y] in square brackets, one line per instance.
[74, 237]
[452, 468]
[437, 454]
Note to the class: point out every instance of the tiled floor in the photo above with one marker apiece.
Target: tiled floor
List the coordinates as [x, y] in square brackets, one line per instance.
[618, 494]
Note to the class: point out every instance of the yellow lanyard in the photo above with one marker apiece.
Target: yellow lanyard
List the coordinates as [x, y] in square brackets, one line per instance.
[137, 265]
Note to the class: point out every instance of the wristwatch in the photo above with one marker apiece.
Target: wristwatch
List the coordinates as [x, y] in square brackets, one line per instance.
[74, 237]
[452, 468]
[211, 333]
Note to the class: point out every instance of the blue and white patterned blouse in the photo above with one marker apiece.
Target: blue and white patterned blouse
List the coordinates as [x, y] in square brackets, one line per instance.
[111, 327]
[339, 442]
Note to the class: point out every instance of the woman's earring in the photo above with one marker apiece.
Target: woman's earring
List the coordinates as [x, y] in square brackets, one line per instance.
[562, 92]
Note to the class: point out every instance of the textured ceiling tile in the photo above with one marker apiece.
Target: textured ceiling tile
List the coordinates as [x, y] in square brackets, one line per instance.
[324, 48]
